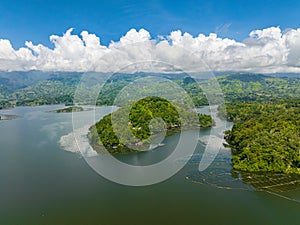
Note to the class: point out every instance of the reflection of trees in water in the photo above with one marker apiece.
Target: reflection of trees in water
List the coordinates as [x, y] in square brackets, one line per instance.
[220, 175]
[277, 182]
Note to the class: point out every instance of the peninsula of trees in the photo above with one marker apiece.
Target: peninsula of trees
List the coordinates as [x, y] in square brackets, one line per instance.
[265, 136]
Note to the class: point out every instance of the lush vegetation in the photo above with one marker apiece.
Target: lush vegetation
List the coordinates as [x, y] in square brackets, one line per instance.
[265, 110]
[265, 136]
[142, 124]
[55, 90]
[36, 88]
[258, 88]
[40, 88]
[70, 109]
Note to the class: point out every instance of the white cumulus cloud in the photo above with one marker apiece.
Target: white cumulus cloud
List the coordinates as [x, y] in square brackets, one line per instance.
[268, 50]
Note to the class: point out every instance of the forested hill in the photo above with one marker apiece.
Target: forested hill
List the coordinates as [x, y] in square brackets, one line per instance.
[18, 80]
[265, 136]
[259, 88]
[148, 119]
[39, 88]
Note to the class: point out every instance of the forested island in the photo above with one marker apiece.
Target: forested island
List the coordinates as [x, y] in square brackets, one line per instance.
[70, 109]
[142, 126]
[264, 108]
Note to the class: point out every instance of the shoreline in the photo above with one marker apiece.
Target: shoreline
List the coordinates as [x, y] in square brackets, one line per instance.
[6, 117]
[80, 136]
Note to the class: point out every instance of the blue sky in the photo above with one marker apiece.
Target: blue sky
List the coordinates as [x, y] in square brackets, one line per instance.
[36, 20]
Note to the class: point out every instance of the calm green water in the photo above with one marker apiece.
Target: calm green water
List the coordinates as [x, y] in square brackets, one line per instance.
[42, 184]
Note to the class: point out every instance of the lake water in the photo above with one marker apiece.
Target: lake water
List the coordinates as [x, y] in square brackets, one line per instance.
[40, 183]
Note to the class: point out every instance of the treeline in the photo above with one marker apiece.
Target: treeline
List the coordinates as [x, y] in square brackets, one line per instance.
[265, 136]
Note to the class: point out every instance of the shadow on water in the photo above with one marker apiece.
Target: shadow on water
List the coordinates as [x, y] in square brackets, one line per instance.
[221, 175]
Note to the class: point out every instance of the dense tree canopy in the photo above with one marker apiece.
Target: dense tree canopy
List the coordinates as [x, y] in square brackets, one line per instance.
[142, 124]
[265, 110]
[265, 137]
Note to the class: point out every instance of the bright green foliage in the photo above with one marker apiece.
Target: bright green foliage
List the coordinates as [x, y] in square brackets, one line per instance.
[147, 117]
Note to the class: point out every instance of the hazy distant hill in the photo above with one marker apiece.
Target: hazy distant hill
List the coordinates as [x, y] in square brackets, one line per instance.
[37, 88]
[257, 87]
[3, 91]
[18, 79]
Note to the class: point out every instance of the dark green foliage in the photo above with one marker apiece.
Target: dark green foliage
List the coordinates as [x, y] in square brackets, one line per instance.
[70, 109]
[5, 104]
[265, 110]
[265, 137]
[206, 121]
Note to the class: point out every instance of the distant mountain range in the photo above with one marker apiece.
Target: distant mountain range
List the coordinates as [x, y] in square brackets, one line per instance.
[39, 88]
